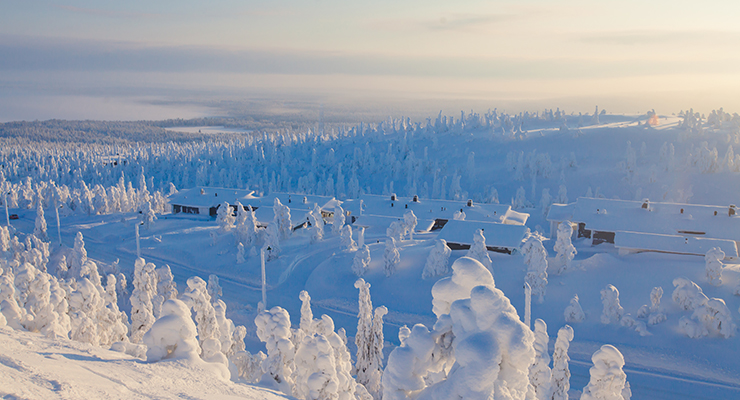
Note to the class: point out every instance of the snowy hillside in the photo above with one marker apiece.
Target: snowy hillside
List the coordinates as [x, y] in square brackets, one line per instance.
[683, 345]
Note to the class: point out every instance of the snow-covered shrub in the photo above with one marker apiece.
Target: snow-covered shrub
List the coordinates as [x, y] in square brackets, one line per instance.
[479, 251]
[346, 241]
[560, 370]
[713, 260]
[639, 326]
[391, 257]
[535, 257]
[612, 309]
[438, 260]
[173, 334]
[361, 261]
[688, 295]
[564, 247]
[539, 372]
[607, 379]
[273, 329]
[225, 217]
[248, 366]
[241, 253]
[711, 318]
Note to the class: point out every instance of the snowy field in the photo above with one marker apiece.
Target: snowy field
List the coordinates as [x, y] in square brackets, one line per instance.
[527, 160]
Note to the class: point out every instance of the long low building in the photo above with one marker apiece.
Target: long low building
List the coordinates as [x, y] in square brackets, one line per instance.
[644, 225]
[502, 238]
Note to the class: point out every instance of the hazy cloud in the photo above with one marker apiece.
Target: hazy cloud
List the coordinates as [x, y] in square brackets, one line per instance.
[656, 37]
[104, 13]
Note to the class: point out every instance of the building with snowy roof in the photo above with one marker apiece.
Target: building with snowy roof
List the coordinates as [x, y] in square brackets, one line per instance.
[502, 238]
[431, 214]
[206, 200]
[652, 226]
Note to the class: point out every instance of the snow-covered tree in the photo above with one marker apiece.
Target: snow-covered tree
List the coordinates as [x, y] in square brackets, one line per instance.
[479, 251]
[347, 242]
[711, 318]
[714, 265]
[272, 242]
[654, 312]
[564, 248]
[317, 224]
[197, 297]
[273, 329]
[338, 220]
[361, 261]
[391, 257]
[166, 285]
[545, 202]
[9, 307]
[520, 201]
[438, 260]
[148, 216]
[492, 348]
[607, 379]
[214, 288]
[612, 309]
[241, 253]
[409, 223]
[281, 219]
[408, 364]
[560, 369]
[562, 197]
[225, 217]
[574, 312]
[539, 372]
[142, 310]
[688, 295]
[535, 257]
[39, 229]
[173, 334]
[395, 230]
[369, 341]
[78, 256]
[246, 227]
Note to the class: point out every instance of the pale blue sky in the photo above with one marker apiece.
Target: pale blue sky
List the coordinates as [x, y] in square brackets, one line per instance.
[669, 54]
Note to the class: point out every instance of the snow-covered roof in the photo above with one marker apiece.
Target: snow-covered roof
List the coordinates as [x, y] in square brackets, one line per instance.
[561, 212]
[608, 215]
[673, 243]
[434, 209]
[201, 196]
[367, 221]
[497, 235]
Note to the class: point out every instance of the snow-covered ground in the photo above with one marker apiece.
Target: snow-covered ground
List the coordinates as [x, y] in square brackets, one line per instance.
[206, 129]
[664, 364]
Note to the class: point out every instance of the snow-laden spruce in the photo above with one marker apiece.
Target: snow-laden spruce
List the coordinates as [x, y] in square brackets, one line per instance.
[142, 310]
[540, 375]
[338, 220]
[272, 242]
[39, 229]
[346, 241]
[197, 297]
[564, 247]
[713, 260]
[317, 224]
[712, 318]
[391, 257]
[479, 251]
[607, 379]
[491, 349]
[173, 334]
[535, 257]
[78, 256]
[437, 263]
[574, 313]
[225, 218]
[369, 341]
[361, 261]
[560, 370]
[282, 219]
[612, 311]
[409, 223]
[273, 329]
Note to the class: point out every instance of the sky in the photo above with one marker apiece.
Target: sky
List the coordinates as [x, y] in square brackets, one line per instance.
[168, 58]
